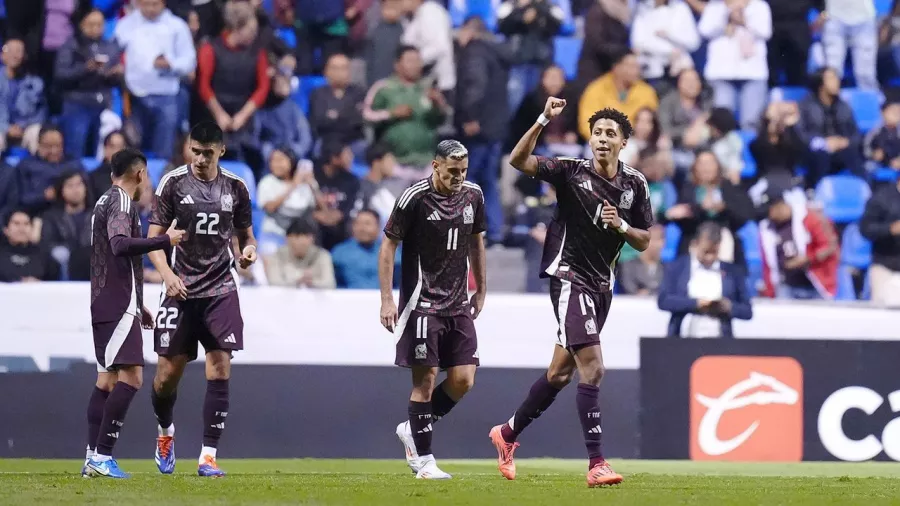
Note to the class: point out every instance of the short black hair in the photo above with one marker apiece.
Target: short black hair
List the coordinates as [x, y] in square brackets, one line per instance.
[709, 230]
[109, 136]
[620, 54]
[616, 115]
[403, 49]
[207, 132]
[371, 211]
[451, 149]
[722, 119]
[9, 216]
[65, 176]
[124, 160]
[376, 152]
[47, 128]
[330, 149]
[302, 226]
[817, 79]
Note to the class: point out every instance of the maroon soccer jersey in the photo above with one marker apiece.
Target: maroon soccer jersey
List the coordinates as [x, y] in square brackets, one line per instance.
[436, 231]
[209, 211]
[578, 248]
[117, 282]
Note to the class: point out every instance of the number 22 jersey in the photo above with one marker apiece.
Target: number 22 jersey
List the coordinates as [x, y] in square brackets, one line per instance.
[209, 211]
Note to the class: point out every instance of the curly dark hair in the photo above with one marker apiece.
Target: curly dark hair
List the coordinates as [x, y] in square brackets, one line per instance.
[615, 115]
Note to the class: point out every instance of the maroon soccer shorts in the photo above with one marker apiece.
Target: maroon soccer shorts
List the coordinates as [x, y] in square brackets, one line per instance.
[215, 322]
[119, 343]
[581, 313]
[436, 341]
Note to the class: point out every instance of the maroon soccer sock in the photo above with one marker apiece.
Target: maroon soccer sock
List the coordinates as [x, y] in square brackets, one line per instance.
[588, 401]
[114, 416]
[540, 397]
[420, 418]
[215, 410]
[441, 403]
[163, 407]
[95, 415]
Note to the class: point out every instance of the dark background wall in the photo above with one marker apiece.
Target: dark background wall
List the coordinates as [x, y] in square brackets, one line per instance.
[310, 411]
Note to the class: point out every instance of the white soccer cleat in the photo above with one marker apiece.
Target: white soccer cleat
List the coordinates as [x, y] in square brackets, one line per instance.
[412, 457]
[430, 470]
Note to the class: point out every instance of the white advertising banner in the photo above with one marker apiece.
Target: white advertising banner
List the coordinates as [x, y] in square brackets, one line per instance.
[289, 326]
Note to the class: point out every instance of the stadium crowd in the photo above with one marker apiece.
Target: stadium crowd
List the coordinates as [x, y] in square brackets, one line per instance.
[747, 113]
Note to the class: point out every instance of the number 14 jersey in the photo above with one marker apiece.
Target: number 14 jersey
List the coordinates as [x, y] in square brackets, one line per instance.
[209, 211]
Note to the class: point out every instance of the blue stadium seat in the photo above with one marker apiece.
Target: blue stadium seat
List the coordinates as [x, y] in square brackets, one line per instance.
[243, 171]
[359, 169]
[258, 215]
[307, 85]
[866, 105]
[670, 194]
[885, 174]
[882, 7]
[458, 10]
[845, 289]
[673, 238]
[749, 162]
[90, 164]
[568, 23]
[109, 29]
[483, 9]
[116, 102]
[749, 236]
[566, 51]
[789, 93]
[287, 35]
[856, 250]
[155, 168]
[843, 197]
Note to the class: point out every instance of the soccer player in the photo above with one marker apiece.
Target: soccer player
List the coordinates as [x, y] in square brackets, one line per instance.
[440, 221]
[200, 304]
[602, 204]
[117, 307]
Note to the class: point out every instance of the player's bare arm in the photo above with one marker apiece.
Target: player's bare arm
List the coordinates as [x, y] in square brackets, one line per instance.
[247, 244]
[521, 156]
[386, 256]
[478, 264]
[635, 237]
[174, 284]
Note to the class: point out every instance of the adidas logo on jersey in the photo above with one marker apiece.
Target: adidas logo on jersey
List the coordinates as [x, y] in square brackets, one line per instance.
[187, 200]
[231, 339]
[586, 185]
[434, 216]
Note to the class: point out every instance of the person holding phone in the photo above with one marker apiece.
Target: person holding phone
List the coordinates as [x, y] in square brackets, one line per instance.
[87, 68]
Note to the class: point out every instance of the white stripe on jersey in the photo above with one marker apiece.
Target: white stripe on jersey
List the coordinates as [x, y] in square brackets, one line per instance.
[636, 173]
[232, 175]
[176, 172]
[124, 201]
[410, 192]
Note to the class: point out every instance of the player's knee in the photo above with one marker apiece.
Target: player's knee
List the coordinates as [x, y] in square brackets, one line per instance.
[559, 379]
[132, 376]
[593, 374]
[462, 384]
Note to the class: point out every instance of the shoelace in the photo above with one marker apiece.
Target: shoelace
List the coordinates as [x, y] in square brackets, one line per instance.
[510, 450]
[165, 446]
[209, 461]
[603, 468]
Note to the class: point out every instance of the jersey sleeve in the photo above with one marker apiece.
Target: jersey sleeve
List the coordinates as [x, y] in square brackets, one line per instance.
[401, 219]
[642, 215]
[163, 207]
[555, 170]
[243, 214]
[118, 217]
[479, 225]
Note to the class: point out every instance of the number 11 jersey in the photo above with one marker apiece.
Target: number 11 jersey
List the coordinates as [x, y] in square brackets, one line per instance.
[209, 211]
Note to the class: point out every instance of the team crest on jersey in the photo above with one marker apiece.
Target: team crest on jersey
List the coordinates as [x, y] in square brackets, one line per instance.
[421, 352]
[590, 327]
[227, 203]
[164, 340]
[468, 215]
[627, 199]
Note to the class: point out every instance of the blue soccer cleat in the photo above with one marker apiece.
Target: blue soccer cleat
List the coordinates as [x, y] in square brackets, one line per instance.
[209, 468]
[165, 454]
[108, 468]
[86, 471]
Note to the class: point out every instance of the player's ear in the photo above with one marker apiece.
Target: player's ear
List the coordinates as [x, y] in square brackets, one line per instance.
[222, 152]
[434, 165]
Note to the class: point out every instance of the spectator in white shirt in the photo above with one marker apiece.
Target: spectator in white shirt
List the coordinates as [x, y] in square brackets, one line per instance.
[663, 35]
[736, 63]
[159, 51]
[429, 31]
[852, 22]
[286, 193]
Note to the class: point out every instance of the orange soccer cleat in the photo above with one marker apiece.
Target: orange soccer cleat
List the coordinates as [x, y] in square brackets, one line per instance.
[602, 475]
[505, 452]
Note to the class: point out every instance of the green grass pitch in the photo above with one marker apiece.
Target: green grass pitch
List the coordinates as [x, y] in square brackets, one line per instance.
[475, 482]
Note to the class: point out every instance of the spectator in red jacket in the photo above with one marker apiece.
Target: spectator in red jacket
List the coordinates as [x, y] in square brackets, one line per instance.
[800, 249]
[233, 78]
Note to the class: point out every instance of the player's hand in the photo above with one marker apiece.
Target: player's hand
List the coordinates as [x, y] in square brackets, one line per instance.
[895, 228]
[248, 256]
[389, 314]
[175, 235]
[610, 216]
[798, 262]
[477, 303]
[554, 107]
[146, 318]
[175, 286]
